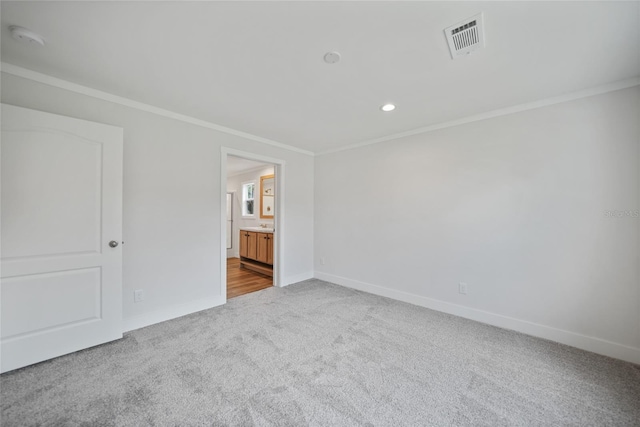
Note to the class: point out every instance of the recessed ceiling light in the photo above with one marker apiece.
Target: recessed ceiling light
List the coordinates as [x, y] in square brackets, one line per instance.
[388, 107]
[331, 57]
[27, 36]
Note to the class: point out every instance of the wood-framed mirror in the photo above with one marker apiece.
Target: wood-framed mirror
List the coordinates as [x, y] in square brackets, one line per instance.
[267, 196]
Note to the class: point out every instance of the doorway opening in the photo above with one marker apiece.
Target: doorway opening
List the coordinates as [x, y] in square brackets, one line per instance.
[251, 205]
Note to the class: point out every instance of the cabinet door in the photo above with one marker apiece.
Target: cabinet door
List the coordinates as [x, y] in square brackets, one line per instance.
[243, 243]
[263, 244]
[252, 245]
[270, 249]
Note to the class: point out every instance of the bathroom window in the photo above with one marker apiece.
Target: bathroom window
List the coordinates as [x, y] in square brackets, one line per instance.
[248, 205]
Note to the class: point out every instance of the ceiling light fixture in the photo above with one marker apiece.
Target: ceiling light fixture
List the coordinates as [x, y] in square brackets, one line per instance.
[388, 107]
[331, 57]
[26, 36]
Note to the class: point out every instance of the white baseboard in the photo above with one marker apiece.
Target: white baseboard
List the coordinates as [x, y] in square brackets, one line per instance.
[148, 319]
[595, 345]
[297, 278]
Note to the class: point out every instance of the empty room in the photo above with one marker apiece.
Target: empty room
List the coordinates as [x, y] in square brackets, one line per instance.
[330, 213]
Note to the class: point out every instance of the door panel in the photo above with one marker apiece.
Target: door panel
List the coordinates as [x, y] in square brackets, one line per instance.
[38, 220]
[244, 243]
[252, 245]
[61, 206]
[270, 249]
[47, 295]
[262, 247]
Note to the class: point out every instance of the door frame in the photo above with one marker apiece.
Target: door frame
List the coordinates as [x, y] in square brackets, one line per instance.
[278, 244]
[233, 194]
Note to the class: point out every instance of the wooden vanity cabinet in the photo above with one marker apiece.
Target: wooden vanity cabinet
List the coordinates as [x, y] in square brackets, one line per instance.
[256, 251]
[263, 248]
[248, 244]
[270, 249]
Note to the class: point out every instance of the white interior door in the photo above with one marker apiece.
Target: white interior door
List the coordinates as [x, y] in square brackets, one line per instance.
[61, 280]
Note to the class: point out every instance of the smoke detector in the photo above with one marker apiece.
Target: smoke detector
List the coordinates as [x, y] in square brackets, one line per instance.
[26, 36]
[466, 36]
[331, 57]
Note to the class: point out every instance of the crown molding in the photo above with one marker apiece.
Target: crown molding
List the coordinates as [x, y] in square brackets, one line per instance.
[116, 99]
[585, 93]
[105, 96]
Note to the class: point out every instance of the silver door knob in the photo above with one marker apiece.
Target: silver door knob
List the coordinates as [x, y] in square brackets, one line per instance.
[113, 244]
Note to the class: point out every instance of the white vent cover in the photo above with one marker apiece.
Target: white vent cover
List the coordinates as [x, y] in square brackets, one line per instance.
[465, 36]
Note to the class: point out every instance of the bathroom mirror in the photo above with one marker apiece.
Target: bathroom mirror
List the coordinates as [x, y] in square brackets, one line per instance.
[267, 196]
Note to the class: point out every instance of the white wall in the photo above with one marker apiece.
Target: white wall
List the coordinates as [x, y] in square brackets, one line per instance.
[234, 183]
[515, 206]
[172, 202]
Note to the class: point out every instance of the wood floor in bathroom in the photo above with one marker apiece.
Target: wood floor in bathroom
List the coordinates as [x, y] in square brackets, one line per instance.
[241, 281]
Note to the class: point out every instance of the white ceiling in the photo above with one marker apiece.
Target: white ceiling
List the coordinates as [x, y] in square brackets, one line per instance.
[236, 165]
[257, 66]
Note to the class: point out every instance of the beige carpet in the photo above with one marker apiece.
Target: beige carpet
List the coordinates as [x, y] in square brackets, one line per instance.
[323, 355]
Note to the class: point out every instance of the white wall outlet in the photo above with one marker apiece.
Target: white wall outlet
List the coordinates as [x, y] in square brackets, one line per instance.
[138, 295]
[322, 261]
[462, 288]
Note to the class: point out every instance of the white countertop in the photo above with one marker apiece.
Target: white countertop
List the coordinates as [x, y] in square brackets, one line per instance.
[257, 229]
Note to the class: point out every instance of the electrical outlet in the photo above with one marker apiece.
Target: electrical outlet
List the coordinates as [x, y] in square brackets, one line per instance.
[322, 261]
[462, 288]
[138, 295]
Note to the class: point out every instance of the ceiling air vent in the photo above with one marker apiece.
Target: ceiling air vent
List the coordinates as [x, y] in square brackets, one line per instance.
[465, 36]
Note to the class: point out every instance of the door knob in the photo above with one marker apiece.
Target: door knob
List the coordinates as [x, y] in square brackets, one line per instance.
[113, 244]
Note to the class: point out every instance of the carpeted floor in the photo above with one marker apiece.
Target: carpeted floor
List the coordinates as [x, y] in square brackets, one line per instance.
[320, 354]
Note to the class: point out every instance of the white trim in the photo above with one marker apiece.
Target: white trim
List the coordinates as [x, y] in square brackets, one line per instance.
[251, 156]
[162, 315]
[73, 87]
[278, 225]
[94, 93]
[596, 345]
[290, 280]
[223, 225]
[256, 169]
[233, 247]
[598, 90]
